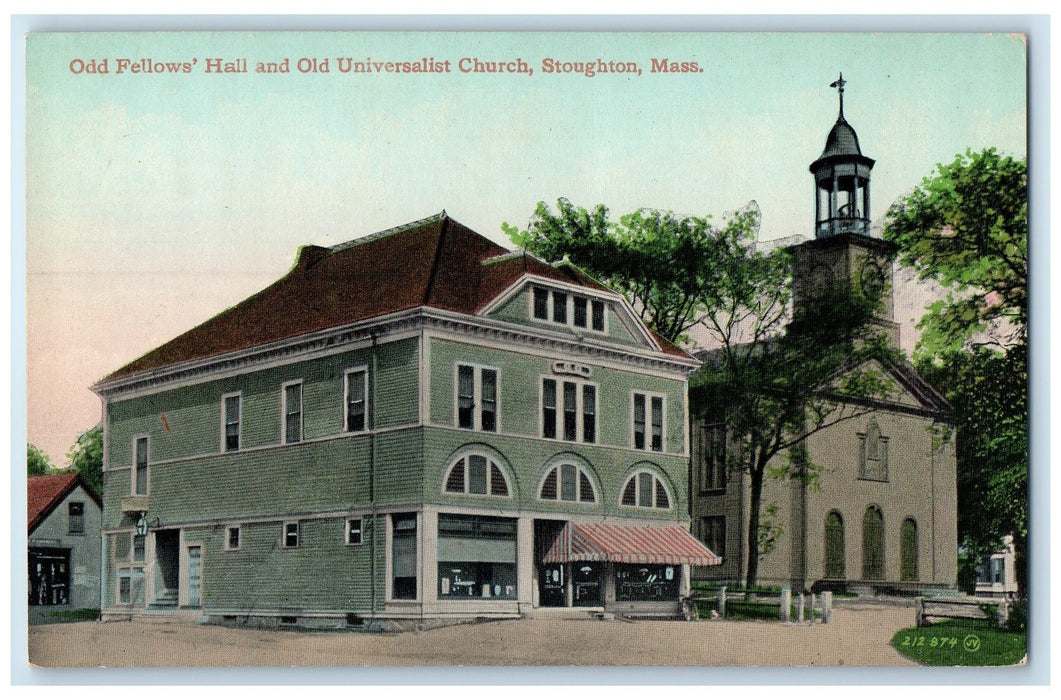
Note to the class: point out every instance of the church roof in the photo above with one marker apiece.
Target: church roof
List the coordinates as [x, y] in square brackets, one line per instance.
[435, 262]
[842, 140]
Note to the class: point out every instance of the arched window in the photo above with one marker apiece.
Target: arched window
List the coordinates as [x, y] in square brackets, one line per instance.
[476, 475]
[645, 489]
[567, 481]
[908, 550]
[835, 564]
[873, 545]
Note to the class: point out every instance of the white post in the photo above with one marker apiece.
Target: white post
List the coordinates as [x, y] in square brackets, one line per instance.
[786, 604]
[722, 601]
[799, 613]
[827, 606]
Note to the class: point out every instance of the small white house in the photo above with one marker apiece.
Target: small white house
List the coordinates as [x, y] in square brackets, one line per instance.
[997, 574]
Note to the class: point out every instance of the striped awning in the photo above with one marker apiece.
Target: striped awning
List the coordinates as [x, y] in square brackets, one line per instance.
[628, 544]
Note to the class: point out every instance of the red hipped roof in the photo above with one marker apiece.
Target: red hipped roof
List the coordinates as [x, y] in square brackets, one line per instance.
[628, 544]
[436, 262]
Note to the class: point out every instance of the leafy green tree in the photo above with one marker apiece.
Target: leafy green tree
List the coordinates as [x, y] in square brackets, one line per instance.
[86, 457]
[37, 462]
[774, 377]
[659, 261]
[966, 228]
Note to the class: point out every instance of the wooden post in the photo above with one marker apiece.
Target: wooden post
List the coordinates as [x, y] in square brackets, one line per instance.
[919, 610]
[786, 604]
[1003, 613]
[827, 606]
[722, 601]
[799, 613]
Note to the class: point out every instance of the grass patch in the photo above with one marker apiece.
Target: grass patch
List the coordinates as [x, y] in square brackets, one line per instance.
[79, 615]
[961, 643]
[753, 610]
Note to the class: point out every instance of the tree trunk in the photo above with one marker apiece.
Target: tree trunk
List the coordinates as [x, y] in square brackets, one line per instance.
[754, 505]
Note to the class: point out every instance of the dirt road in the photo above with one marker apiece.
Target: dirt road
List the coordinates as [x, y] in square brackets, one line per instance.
[857, 636]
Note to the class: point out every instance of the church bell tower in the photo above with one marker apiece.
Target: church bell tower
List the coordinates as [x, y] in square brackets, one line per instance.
[843, 250]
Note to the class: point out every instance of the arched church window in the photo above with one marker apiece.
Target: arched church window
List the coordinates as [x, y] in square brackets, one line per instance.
[873, 544]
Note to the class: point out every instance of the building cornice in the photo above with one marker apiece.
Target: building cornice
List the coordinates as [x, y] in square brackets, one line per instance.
[382, 329]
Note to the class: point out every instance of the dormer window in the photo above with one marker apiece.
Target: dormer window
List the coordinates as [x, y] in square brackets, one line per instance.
[568, 309]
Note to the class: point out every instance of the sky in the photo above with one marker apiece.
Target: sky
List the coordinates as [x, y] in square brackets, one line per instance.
[155, 200]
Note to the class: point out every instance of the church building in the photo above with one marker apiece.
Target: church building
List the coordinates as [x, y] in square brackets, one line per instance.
[883, 513]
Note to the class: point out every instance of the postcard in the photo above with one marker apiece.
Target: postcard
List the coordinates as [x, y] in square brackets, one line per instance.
[376, 348]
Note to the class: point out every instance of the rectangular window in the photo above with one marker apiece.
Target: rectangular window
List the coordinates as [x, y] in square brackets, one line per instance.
[356, 400]
[579, 317]
[290, 535]
[549, 408]
[711, 457]
[589, 413]
[465, 396]
[657, 424]
[488, 392]
[403, 556]
[647, 418]
[139, 544]
[231, 407]
[232, 537]
[559, 307]
[598, 315]
[292, 413]
[639, 421]
[472, 382]
[541, 304]
[569, 411]
[140, 476]
[713, 533]
[76, 511]
[353, 531]
[476, 557]
[125, 588]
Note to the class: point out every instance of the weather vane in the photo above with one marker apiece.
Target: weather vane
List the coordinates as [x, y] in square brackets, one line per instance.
[839, 85]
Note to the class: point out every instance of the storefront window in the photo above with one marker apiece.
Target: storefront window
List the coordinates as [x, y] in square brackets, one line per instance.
[476, 557]
[646, 582]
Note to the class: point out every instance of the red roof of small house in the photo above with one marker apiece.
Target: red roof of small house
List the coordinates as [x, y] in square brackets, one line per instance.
[45, 492]
[435, 262]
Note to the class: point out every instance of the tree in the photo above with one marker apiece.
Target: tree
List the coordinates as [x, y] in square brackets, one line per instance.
[776, 377]
[37, 462]
[966, 228]
[655, 259]
[86, 457]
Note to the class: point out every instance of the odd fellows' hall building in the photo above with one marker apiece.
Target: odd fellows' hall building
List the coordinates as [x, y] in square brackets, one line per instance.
[416, 424]
[883, 515]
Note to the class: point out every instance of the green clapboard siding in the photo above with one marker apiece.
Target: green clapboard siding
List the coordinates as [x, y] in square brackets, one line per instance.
[525, 463]
[192, 414]
[321, 574]
[519, 378]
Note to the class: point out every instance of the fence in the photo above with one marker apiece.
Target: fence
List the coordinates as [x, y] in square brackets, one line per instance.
[959, 609]
[781, 605]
